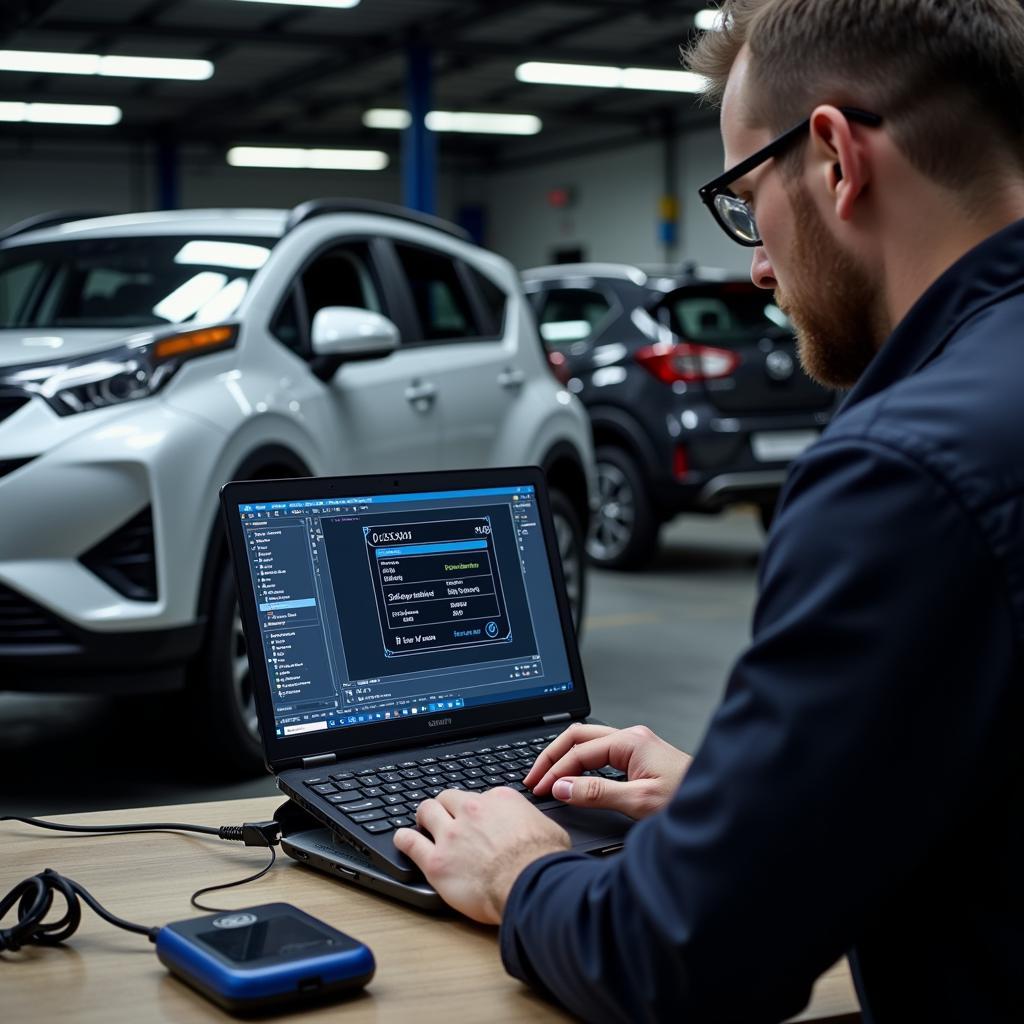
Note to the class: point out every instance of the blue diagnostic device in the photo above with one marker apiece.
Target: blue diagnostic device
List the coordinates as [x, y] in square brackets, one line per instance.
[271, 956]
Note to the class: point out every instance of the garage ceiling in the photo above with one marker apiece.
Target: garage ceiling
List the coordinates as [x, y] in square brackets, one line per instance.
[289, 75]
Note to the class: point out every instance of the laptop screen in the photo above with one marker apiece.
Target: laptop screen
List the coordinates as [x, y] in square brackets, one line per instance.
[389, 606]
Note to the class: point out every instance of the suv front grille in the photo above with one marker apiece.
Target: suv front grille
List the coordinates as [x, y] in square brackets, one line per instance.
[126, 560]
[10, 404]
[23, 622]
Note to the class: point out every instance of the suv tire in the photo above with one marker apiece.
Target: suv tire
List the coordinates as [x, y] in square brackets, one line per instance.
[221, 685]
[624, 531]
[572, 549]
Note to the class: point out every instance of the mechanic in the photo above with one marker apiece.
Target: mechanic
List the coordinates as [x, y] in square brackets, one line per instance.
[859, 790]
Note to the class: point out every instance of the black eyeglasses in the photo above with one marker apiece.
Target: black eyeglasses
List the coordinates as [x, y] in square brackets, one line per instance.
[734, 215]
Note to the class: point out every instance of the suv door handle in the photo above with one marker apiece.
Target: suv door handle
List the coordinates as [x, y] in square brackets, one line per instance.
[511, 378]
[421, 394]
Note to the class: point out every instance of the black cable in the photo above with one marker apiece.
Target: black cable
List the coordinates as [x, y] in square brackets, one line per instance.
[34, 897]
[194, 898]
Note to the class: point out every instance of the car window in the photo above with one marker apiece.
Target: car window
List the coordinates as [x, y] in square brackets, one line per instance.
[571, 315]
[731, 313]
[130, 281]
[287, 327]
[440, 299]
[342, 276]
[494, 298]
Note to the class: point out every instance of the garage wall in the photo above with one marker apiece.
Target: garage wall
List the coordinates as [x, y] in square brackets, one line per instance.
[615, 214]
[122, 178]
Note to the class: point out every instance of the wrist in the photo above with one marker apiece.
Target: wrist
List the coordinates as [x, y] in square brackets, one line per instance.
[510, 870]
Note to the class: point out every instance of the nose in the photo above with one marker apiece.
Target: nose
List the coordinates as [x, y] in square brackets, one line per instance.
[761, 271]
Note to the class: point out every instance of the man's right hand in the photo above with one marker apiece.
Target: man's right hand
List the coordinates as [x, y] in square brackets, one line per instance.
[653, 769]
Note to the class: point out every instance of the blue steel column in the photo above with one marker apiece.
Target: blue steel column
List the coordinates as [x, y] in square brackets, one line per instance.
[419, 145]
[168, 194]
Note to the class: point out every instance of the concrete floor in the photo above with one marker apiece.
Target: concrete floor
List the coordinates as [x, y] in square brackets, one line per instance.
[656, 649]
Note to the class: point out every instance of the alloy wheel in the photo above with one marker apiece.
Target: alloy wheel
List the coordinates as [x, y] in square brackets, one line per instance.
[241, 678]
[613, 526]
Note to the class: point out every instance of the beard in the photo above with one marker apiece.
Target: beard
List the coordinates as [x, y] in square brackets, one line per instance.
[836, 306]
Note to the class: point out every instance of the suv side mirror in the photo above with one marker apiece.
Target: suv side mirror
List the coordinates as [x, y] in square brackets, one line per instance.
[344, 334]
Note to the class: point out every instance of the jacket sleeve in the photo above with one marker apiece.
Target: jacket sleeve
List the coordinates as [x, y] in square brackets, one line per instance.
[850, 735]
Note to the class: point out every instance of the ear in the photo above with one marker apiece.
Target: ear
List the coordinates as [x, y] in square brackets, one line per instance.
[840, 160]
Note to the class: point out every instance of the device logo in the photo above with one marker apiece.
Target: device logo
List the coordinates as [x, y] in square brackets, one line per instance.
[234, 921]
[434, 723]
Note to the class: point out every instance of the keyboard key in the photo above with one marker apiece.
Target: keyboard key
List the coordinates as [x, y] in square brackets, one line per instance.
[403, 822]
[394, 787]
[427, 760]
[323, 788]
[415, 795]
[475, 784]
[369, 791]
[399, 810]
[503, 746]
[454, 776]
[456, 785]
[342, 776]
[361, 805]
[411, 773]
[366, 771]
[449, 757]
[361, 816]
[521, 743]
[338, 798]
[394, 798]
[494, 780]
[371, 780]
[391, 776]
[611, 773]
[517, 786]
[432, 780]
[435, 790]
[376, 827]
[386, 768]
[512, 776]
[347, 786]
[474, 773]
[485, 750]
[406, 764]
[316, 781]
[488, 759]
[470, 762]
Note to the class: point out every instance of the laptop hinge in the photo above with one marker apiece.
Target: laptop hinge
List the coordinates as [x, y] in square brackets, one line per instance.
[319, 759]
[551, 719]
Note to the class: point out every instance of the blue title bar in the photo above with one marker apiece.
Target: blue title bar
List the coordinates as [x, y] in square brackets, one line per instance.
[431, 549]
[381, 499]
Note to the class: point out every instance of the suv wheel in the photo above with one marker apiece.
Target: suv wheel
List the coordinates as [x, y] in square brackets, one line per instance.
[222, 686]
[624, 532]
[572, 549]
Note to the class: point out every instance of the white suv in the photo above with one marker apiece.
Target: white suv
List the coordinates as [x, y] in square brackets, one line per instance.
[147, 359]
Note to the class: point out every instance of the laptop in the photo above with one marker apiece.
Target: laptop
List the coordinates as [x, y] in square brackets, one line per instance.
[407, 634]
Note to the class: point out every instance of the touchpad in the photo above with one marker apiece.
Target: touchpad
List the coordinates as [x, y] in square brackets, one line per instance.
[589, 827]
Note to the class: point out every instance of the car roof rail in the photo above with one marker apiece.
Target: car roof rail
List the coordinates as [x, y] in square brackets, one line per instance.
[318, 207]
[49, 220]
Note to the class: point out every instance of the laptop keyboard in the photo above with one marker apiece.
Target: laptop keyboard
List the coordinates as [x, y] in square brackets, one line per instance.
[386, 797]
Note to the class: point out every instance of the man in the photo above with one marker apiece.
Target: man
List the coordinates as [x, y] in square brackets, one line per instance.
[860, 788]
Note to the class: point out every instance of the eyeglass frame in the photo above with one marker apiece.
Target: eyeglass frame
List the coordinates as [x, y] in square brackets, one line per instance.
[720, 185]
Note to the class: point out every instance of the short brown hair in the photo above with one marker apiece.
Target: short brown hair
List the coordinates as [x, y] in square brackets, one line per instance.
[947, 75]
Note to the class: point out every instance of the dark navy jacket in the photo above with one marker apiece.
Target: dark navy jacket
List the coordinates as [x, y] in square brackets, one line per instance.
[860, 787]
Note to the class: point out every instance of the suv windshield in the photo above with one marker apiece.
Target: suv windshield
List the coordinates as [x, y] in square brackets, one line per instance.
[723, 314]
[130, 281]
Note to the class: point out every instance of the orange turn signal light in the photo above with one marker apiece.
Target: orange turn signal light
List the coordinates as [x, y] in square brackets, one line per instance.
[195, 342]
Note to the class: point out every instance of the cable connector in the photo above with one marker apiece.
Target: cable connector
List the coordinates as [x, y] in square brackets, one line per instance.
[252, 833]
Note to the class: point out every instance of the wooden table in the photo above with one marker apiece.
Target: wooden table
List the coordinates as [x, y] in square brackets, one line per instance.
[429, 968]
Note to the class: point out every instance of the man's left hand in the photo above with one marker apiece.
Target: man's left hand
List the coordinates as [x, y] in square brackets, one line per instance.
[481, 842]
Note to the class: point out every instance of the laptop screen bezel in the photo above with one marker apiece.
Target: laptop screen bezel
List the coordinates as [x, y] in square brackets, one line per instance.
[352, 741]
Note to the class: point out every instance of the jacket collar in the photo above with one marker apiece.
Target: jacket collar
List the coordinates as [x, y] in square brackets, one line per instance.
[987, 273]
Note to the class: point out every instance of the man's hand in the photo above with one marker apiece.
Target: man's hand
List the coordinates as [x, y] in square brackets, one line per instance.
[653, 769]
[481, 842]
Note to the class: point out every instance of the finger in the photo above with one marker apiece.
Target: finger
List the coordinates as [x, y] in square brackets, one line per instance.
[635, 799]
[585, 756]
[415, 845]
[432, 816]
[579, 732]
[452, 800]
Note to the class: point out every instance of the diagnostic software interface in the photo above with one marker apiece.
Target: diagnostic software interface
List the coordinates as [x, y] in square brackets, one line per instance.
[387, 606]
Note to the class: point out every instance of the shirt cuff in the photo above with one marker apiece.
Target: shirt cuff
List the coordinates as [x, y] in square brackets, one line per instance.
[512, 957]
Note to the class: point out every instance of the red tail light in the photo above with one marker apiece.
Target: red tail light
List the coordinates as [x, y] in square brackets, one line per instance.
[686, 362]
[680, 462]
[559, 367]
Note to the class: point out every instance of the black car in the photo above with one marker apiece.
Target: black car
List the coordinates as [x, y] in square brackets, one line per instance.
[695, 393]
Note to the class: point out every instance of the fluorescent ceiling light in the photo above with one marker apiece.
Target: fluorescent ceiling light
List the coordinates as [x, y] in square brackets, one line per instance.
[237, 255]
[60, 113]
[308, 159]
[458, 121]
[112, 66]
[190, 296]
[708, 20]
[605, 77]
[543, 73]
[337, 4]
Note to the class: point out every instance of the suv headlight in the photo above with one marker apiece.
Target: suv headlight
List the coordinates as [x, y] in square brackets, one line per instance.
[137, 369]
